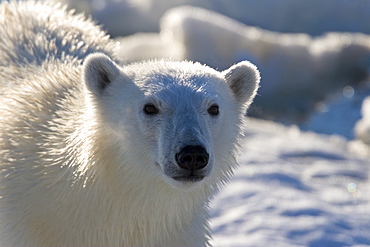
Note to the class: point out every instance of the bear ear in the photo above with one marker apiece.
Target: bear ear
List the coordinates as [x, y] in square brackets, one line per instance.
[243, 78]
[98, 72]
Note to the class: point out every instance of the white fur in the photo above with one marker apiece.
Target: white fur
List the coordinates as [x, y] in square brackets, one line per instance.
[83, 165]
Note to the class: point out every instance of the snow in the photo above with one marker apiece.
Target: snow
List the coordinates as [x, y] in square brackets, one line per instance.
[344, 109]
[362, 128]
[294, 187]
[315, 17]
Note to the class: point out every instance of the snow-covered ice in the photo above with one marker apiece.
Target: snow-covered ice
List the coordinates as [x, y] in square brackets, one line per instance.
[362, 128]
[340, 113]
[294, 188]
[315, 17]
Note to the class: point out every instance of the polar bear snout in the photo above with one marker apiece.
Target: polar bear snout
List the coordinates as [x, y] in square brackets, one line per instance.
[192, 157]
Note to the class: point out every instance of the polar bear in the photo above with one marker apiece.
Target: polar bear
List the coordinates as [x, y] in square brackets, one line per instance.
[93, 153]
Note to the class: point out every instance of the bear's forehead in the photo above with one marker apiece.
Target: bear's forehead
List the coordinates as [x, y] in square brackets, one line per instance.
[173, 81]
[190, 77]
[182, 85]
[163, 73]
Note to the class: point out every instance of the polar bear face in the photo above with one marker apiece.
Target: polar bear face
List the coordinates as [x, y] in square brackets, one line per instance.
[179, 120]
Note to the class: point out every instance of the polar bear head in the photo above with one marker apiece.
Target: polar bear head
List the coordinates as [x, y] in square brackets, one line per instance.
[178, 122]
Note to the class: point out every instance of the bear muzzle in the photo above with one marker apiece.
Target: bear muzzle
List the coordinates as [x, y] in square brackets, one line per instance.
[191, 159]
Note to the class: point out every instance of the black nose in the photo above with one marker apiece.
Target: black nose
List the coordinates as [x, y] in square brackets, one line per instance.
[192, 157]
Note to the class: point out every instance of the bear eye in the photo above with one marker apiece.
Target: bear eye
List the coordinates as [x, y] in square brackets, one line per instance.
[150, 109]
[213, 110]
